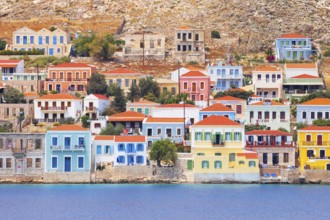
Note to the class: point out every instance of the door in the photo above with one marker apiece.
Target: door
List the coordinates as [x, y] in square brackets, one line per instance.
[19, 166]
[328, 166]
[190, 164]
[46, 105]
[62, 106]
[193, 87]
[319, 139]
[322, 154]
[51, 51]
[58, 87]
[217, 139]
[67, 164]
[90, 105]
[130, 160]
[275, 159]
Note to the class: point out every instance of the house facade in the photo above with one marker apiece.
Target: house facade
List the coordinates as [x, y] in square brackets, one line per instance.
[168, 86]
[314, 147]
[225, 77]
[318, 108]
[69, 77]
[52, 43]
[55, 107]
[27, 82]
[132, 121]
[236, 104]
[217, 146]
[275, 148]
[142, 106]
[293, 47]
[273, 114]
[9, 67]
[95, 104]
[217, 109]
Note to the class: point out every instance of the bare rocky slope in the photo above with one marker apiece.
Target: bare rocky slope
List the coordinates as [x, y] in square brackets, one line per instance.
[247, 25]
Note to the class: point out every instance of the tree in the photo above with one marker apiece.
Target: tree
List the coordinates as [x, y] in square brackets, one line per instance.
[134, 93]
[84, 121]
[109, 111]
[2, 44]
[298, 126]
[119, 103]
[81, 44]
[112, 130]
[321, 122]
[150, 97]
[148, 85]
[270, 55]
[254, 127]
[283, 129]
[101, 48]
[163, 151]
[97, 84]
[112, 89]
[12, 95]
[215, 34]
[316, 94]
[238, 93]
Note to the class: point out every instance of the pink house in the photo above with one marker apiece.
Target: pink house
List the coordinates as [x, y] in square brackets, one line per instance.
[197, 86]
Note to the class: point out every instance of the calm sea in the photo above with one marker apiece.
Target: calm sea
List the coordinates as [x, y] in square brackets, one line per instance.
[134, 202]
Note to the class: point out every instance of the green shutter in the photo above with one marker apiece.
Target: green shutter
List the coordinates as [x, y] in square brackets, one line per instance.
[213, 138]
[195, 136]
[231, 136]
[215, 163]
[240, 136]
[146, 111]
[207, 164]
[131, 109]
[221, 137]
[202, 136]
[190, 164]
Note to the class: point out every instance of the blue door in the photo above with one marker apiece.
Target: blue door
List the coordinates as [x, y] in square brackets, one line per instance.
[58, 87]
[130, 160]
[51, 52]
[67, 164]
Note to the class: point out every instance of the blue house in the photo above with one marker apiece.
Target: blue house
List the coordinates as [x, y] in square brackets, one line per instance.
[318, 108]
[293, 47]
[217, 109]
[225, 77]
[68, 149]
[162, 128]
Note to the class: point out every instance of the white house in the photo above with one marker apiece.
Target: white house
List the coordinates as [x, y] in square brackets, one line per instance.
[54, 107]
[95, 104]
[296, 69]
[97, 125]
[9, 67]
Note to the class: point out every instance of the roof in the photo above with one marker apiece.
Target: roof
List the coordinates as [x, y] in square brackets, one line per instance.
[217, 107]
[58, 96]
[130, 138]
[193, 73]
[69, 127]
[228, 97]
[9, 63]
[120, 71]
[104, 138]
[266, 68]
[252, 155]
[71, 65]
[31, 94]
[305, 76]
[127, 116]
[99, 96]
[268, 132]
[262, 103]
[177, 106]
[217, 120]
[184, 27]
[166, 120]
[144, 102]
[317, 101]
[293, 35]
[300, 65]
[316, 128]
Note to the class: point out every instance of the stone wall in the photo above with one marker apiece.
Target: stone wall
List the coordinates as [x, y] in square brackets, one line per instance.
[72, 177]
[226, 177]
[317, 176]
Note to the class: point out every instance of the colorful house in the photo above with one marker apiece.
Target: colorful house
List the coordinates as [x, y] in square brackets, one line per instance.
[275, 148]
[69, 77]
[94, 105]
[217, 109]
[142, 106]
[225, 76]
[236, 104]
[217, 145]
[168, 86]
[314, 147]
[293, 47]
[9, 67]
[318, 108]
[119, 150]
[132, 121]
[68, 149]
[273, 114]
[197, 86]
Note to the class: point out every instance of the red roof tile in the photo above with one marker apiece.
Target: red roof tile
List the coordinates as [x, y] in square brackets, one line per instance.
[144, 102]
[177, 106]
[10, 61]
[130, 138]
[193, 74]
[71, 65]
[58, 96]
[266, 69]
[229, 98]
[184, 27]
[292, 36]
[99, 96]
[300, 65]
[104, 138]
[218, 107]
[262, 103]
[305, 76]
[69, 128]
[216, 120]
[316, 128]
[166, 120]
[127, 116]
[317, 101]
[121, 71]
[268, 132]
[248, 155]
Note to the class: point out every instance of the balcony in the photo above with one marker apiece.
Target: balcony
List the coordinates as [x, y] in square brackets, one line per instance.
[218, 144]
[297, 46]
[91, 109]
[257, 144]
[68, 148]
[54, 109]
[315, 143]
[17, 151]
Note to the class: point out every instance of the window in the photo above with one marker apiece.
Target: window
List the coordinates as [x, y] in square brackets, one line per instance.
[251, 114]
[202, 85]
[54, 162]
[238, 109]
[198, 136]
[121, 159]
[159, 131]
[38, 163]
[169, 132]
[54, 40]
[61, 39]
[241, 162]
[178, 131]
[69, 104]
[231, 157]
[207, 136]
[54, 141]
[29, 163]
[259, 76]
[58, 50]
[312, 115]
[308, 138]
[127, 82]
[130, 148]
[17, 39]
[286, 158]
[47, 39]
[185, 85]
[327, 115]
[39, 104]
[8, 162]
[31, 39]
[282, 115]
[146, 111]
[266, 115]
[228, 136]
[121, 147]
[67, 142]
[149, 131]
[319, 115]
[139, 159]
[217, 154]
[80, 162]
[179, 36]
[98, 149]
[237, 136]
[274, 115]
[38, 143]
[179, 47]
[264, 158]
[139, 110]
[217, 164]
[252, 164]
[223, 84]
[200, 154]
[140, 147]
[40, 40]
[107, 149]
[196, 37]
[1, 166]
[205, 164]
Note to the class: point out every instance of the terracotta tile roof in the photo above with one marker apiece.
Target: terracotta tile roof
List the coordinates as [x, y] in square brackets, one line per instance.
[99, 96]
[262, 103]
[218, 107]
[10, 61]
[256, 96]
[144, 102]
[228, 97]
[193, 73]
[58, 96]
[121, 71]
[300, 65]
[127, 116]
[193, 68]
[316, 128]
[130, 138]
[317, 101]
[292, 36]
[71, 65]
[268, 132]
[104, 138]
[216, 120]
[166, 120]
[177, 106]
[305, 76]
[69, 128]
[184, 27]
[248, 155]
[31, 94]
[266, 69]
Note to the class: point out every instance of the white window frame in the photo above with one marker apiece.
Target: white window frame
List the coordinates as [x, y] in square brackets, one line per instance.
[51, 163]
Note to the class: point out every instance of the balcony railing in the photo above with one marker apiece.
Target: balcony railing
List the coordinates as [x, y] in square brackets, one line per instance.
[61, 108]
[218, 144]
[318, 158]
[18, 150]
[316, 143]
[68, 148]
[90, 109]
[269, 144]
[297, 46]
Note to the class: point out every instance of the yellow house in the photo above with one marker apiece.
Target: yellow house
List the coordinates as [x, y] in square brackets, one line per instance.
[169, 86]
[314, 147]
[217, 145]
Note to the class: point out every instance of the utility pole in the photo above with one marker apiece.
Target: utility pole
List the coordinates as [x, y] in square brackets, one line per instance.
[38, 78]
[143, 47]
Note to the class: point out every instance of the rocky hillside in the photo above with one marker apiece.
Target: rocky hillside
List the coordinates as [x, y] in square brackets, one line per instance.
[247, 25]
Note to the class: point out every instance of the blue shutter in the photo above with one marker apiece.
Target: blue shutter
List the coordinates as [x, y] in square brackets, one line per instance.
[31, 39]
[98, 149]
[54, 162]
[17, 39]
[40, 40]
[61, 39]
[80, 162]
[54, 40]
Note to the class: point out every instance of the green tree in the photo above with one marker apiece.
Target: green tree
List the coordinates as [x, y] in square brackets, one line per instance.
[112, 130]
[81, 44]
[150, 97]
[112, 88]
[163, 151]
[316, 94]
[109, 111]
[254, 127]
[101, 48]
[321, 122]
[133, 93]
[238, 93]
[2, 44]
[97, 84]
[84, 121]
[148, 85]
[8, 127]
[119, 102]
[12, 95]
[283, 129]
[215, 34]
[298, 126]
